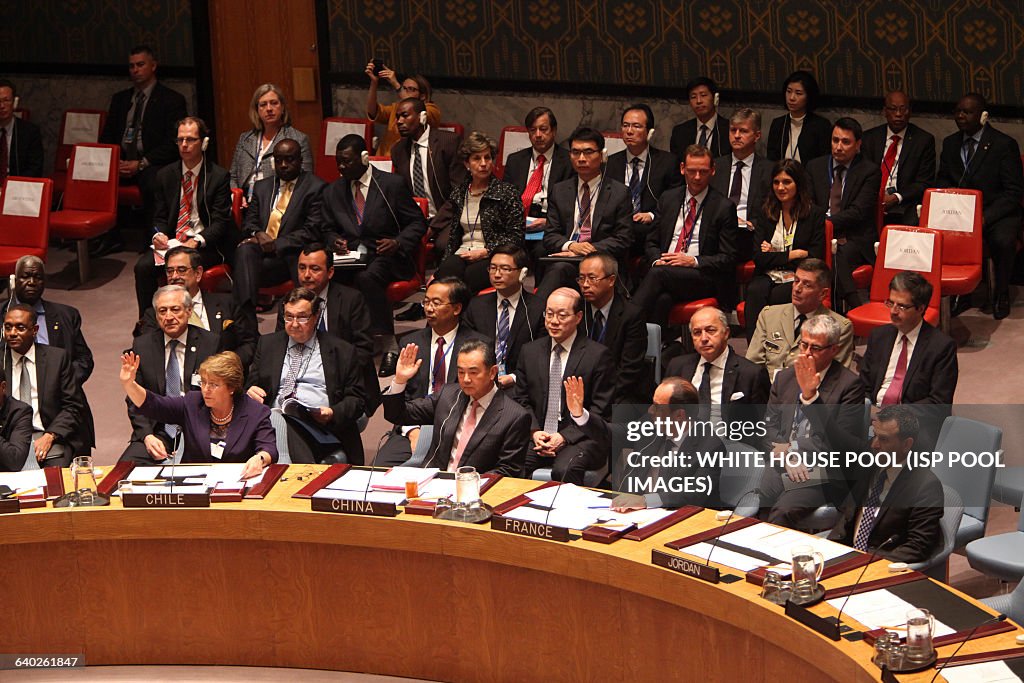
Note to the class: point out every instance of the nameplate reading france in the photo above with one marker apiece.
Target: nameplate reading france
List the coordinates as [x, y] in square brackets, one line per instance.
[354, 507]
[165, 500]
[535, 529]
[682, 565]
[9, 505]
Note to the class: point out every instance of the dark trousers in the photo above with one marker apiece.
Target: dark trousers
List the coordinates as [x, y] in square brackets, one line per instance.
[473, 274]
[372, 282]
[395, 451]
[254, 269]
[559, 274]
[761, 292]
[665, 286]
[1001, 238]
[569, 464]
[136, 452]
[148, 275]
[849, 257]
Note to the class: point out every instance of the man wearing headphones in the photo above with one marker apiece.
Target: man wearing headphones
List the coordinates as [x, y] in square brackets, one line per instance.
[709, 128]
[979, 157]
[21, 145]
[646, 171]
[371, 212]
[193, 209]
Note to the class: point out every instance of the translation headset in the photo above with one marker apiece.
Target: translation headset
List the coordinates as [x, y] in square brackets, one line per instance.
[423, 118]
[716, 100]
[17, 99]
[984, 117]
[650, 134]
[364, 157]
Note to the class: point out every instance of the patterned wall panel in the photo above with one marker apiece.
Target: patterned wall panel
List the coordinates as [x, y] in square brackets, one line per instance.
[857, 48]
[95, 31]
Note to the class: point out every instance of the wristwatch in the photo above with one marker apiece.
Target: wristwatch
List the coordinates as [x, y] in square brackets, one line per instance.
[143, 164]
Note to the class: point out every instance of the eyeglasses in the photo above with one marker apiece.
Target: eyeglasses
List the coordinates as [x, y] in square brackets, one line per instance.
[592, 279]
[560, 316]
[575, 152]
[902, 308]
[212, 386]
[814, 348]
[505, 270]
[177, 270]
[300, 319]
[186, 141]
[435, 303]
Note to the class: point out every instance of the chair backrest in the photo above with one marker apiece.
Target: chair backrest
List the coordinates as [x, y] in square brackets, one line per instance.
[961, 434]
[452, 127]
[25, 212]
[739, 480]
[952, 513]
[424, 205]
[653, 352]
[513, 139]
[331, 130]
[613, 141]
[909, 255]
[382, 163]
[957, 213]
[77, 126]
[237, 195]
[92, 178]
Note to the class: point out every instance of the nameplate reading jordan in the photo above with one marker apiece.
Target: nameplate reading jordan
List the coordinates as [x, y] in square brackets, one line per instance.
[9, 505]
[354, 507]
[681, 565]
[165, 500]
[535, 529]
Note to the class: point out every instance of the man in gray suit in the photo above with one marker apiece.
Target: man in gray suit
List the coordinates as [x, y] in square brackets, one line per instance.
[775, 341]
[815, 406]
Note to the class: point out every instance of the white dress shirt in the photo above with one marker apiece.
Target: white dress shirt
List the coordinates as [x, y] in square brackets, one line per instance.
[37, 420]
[694, 248]
[424, 144]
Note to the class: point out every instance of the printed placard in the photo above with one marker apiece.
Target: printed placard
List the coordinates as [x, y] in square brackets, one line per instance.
[92, 163]
[81, 127]
[909, 250]
[951, 211]
[515, 140]
[336, 130]
[23, 198]
[382, 164]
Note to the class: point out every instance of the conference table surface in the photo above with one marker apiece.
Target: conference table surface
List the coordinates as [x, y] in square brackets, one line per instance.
[271, 583]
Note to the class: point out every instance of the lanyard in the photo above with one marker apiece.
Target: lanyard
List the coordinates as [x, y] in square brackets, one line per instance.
[479, 207]
[696, 219]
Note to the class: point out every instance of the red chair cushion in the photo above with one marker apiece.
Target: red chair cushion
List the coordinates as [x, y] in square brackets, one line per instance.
[741, 310]
[745, 272]
[862, 276]
[681, 313]
[9, 257]
[81, 225]
[402, 289]
[874, 314]
[129, 195]
[276, 290]
[214, 277]
[959, 280]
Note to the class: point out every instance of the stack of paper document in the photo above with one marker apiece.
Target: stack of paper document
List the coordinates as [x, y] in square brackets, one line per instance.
[29, 481]
[358, 485]
[394, 480]
[882, 609]
[986, 672]
[565, 505]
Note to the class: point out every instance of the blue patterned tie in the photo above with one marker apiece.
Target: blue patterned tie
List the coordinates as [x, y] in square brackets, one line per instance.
[503, 326]
[294, 363]
[634, 184]
[869, 513]
[172, 381]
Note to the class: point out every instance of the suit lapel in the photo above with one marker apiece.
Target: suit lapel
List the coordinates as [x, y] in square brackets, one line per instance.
[290, 217]
[918, 358]
[484, 422]
[668, 224]
[278, 349]
[729, 376]
[883, 360]
[978, 160]
[191, 339]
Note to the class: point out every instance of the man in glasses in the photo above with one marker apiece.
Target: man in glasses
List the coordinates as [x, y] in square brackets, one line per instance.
[816, 405]
[170, 354]
[192, 209]
[510, 315]
[909, 361]
[235, 328]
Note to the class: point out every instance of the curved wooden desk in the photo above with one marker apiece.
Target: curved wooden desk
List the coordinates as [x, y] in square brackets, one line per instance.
[270, 583]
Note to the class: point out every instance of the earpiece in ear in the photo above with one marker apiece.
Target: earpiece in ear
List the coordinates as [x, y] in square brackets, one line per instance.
[523, 272]
[364, 157]
[11, 280]
[206, 143]
[423, 118]
[716, 99]
[650, 134]
[984, 117]
[17, 99]
[604, 155]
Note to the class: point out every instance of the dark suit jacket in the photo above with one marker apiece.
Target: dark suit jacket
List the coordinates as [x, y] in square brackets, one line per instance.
[528, 324]
[64, 331]
[444, 168]
[152, 374]
[62, 407]
[345, 393]
[348, 319]
[517, 171]
[857, 216]
[250, 430]
[717, 236]
[163, 110]
[809, 235]
[815, 138]
[499, 217]
[239, 335]
[300, 224]
[760, 181]
[660, 173]
[25, 150]
[741, 376]
[390, 213]
[586, 359]
[498, 443]
[611, 218]
[213, 196]
[419, 386]
[915, 170]
[685, 134]
[911, 510]
[625, 337]
[995, 170]
[15, 434]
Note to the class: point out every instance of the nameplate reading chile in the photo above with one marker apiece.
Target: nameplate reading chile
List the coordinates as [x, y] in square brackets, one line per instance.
[534, 529]
[354, 507]
[165, 500]
[682, 565]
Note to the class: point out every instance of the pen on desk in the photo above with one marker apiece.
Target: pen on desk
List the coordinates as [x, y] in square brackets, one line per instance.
[24, 492]
[152, 481]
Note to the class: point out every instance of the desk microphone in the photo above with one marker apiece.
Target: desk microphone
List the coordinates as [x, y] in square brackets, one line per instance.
[728, 519]
[998, 617]
[369, 479]
[175, 443]
[871, 558]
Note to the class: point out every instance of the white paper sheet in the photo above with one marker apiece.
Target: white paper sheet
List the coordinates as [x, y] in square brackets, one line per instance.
[394, 479]
[567, 496]
[370, 496]
[355, 480]
[382, 164]
[336, 130]
[81, 127]
[570, 518]
[22, 198]
[737, 561]
[986, 672]
[145, 472]
[22, 481]
[909, 250]
[92, 163]
[779, 542]
[950, 211]
[881, 609]
[438, 488]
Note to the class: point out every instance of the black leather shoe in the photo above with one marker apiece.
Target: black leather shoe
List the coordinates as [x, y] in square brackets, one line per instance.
[414, 312]
[960, 304]
[388, 364]
[1001, 308]
[106, 244]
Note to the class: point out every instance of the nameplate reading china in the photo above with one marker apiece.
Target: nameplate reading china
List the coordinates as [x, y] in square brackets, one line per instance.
[9, 505]
[534, 529]
[682, 565]
[165, 500]
[354, 507]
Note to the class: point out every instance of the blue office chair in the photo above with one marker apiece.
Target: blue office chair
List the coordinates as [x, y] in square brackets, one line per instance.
[736, 484]
[1010, 604]
[960, 434]
[953, 511]
[1002, 555]
[1009, 486]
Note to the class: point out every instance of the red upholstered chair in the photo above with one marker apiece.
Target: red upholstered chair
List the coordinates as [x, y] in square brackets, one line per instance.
[961, 249]
[76, 126]
[402, 289]
[874, 313]
[90, 206]
[215, 277]
[456, 128]
[277, 290]
[513, 139]
[331, 130]
[22, 235]
[681, 313]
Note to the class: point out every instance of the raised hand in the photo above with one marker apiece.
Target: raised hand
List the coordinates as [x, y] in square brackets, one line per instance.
[408, 364]
[129, 367]
[574, 395]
